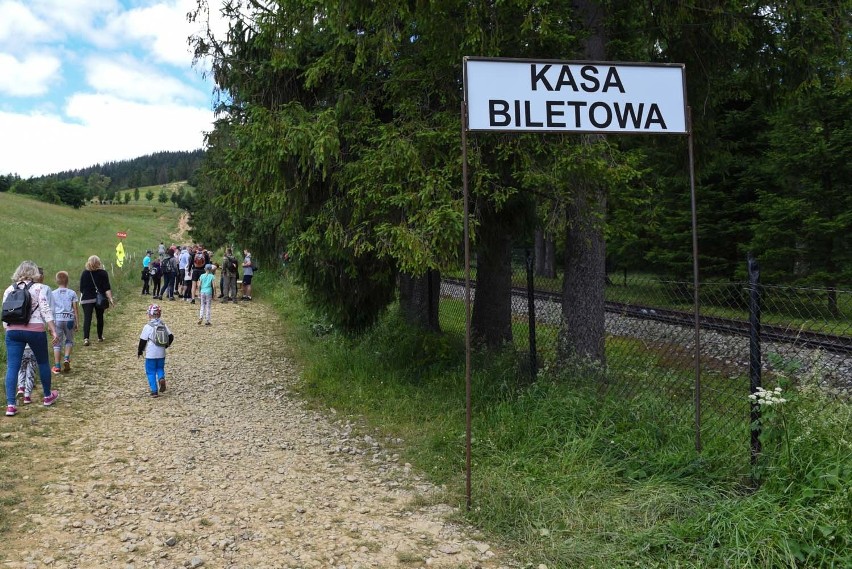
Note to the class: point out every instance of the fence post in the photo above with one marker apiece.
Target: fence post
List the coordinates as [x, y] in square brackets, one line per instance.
[531, 313]
[755, 360]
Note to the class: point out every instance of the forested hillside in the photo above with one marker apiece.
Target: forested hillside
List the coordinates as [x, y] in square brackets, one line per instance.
[102, 181]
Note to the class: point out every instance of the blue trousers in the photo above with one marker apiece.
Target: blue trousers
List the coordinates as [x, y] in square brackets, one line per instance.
[155, 369]
[16, 341]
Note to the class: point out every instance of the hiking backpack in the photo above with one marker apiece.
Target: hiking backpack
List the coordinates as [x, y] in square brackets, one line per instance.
[17, 306]
[161, 335]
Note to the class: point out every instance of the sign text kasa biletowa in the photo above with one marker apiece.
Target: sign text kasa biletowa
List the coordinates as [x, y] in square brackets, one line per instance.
[565, 96]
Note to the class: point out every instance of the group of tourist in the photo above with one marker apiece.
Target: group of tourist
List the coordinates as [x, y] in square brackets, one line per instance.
[186, 272]
[36, 307]
[176, 272]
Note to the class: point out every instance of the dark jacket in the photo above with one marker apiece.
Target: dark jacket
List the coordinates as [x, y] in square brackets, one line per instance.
[88, 280]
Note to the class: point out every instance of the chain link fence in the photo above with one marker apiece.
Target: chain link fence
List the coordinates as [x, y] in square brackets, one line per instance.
[750, 334]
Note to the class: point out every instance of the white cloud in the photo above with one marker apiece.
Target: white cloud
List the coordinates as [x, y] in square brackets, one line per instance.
[18, 25]
[108, 129]
[29, 76]
[74, 16]
[142, 95]
[128, 78]
[162, 29]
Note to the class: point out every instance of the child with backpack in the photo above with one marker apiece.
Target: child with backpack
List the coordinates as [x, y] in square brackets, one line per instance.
[200, 259]
[153, 341]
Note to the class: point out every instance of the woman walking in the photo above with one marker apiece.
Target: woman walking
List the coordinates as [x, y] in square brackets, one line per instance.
[94, 284]
[29, 331]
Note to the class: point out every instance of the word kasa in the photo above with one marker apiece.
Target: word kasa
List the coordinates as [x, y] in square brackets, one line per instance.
[575, 114]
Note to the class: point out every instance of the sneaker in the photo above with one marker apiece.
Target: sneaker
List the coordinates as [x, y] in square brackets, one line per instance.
[207, 323]
[11, 410]
[162, 384]
[57, 369]
[200, 320]
[100, 339]
[20, 392]
[27, 399]
[85, 341]
[66, 366]
[192, 301]
[154, 394]
[51, 399]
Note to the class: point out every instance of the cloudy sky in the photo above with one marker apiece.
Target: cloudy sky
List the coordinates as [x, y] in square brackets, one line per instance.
[84, 82]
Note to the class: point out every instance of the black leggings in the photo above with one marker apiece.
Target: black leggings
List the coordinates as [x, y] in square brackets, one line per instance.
[88, 308]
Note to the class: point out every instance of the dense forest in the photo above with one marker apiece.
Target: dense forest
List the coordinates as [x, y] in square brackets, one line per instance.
[103, 181]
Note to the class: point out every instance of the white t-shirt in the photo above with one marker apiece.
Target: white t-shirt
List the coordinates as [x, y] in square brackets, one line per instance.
[152, 350]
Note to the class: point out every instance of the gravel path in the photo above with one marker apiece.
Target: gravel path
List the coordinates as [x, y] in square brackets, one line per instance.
[224, 470]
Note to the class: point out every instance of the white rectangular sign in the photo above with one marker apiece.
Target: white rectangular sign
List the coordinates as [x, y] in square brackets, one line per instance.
[574, 96]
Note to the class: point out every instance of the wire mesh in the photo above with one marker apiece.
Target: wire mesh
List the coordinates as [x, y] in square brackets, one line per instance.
[804, 334]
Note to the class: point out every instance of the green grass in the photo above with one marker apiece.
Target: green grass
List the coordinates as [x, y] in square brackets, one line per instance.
[570, 477]
[61, 238]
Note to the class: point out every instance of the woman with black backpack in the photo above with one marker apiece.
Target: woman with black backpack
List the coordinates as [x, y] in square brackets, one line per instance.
[169, 267]
[26, 312]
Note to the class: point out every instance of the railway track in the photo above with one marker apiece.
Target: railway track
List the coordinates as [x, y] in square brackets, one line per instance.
[771, 333]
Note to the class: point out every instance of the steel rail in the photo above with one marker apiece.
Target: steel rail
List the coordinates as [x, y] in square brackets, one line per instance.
[815, 340]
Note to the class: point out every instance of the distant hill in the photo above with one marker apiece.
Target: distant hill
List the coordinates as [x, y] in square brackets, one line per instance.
[150, 170]
[105, 181]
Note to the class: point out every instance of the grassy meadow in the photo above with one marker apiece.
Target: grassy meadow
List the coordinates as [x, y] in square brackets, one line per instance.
[61, 238]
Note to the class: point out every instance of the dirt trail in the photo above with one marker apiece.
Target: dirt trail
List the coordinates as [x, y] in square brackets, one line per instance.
[224, 470]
